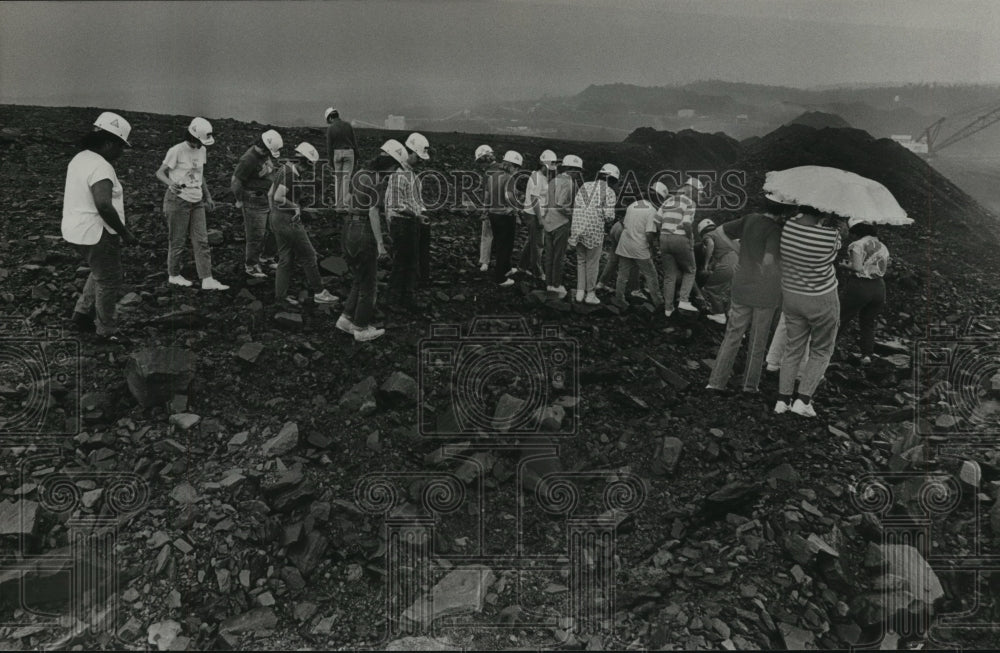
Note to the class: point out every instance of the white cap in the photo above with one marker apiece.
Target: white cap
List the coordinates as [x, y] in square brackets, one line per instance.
[513, 157]
[548, 156]
[705, 224]
[395, 149]
[611, 170]
[272, 141]
[572, 161]
[326, 114]
[114, 124]
[308, 151]
[694, 183]
[419, 144]
[661, 190]
[482, 151]
[202, 130]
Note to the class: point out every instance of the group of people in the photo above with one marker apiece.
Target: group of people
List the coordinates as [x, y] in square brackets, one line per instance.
[752, 268]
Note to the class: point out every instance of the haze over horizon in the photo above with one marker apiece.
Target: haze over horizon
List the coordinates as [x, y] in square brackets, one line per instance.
[264, 61]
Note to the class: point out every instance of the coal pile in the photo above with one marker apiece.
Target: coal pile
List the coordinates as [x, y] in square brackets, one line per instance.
[820, 119]
[688, 149]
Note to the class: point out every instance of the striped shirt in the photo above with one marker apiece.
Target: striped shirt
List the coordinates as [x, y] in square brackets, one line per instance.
[676, 211]
[807, 256]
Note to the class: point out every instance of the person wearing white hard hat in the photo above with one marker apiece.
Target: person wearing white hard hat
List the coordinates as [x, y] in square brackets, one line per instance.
[535, 194]
[185, 202]
[419, 144]
[636, 246]
[292, 239]
[722, 255]
[501, 207]
[485, 159]
[251, 184]
[405, 212]
[593, 211]
[363, 243]
[677, 245]
[342, 152]
[93, 220]
[561, 194]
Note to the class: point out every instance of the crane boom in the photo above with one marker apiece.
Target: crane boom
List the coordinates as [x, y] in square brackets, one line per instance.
[977, 125]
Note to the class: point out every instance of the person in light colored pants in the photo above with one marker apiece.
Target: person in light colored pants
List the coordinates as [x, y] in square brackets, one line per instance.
[811, 321]
[778, 345]
[677, 260]
[485, 241]
[758, 321]
[343, 168]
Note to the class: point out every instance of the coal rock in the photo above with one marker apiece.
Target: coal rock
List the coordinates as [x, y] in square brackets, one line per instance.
[400, 388]
[360, 394]
[286, 440]
[155, 375]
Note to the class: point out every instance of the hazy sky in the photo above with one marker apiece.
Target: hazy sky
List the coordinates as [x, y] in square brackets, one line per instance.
[247, 59]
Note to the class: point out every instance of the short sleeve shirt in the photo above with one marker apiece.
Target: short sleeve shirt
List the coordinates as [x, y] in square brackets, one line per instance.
[81, 223]
[640, 219]
[874, 257]
[676, 212]
[186, 166]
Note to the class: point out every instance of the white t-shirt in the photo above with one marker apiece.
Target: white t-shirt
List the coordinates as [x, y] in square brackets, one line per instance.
[186, 165]
[81, 223]
[640, 219]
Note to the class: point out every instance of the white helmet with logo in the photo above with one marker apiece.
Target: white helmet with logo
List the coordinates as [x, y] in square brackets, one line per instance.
[611, 170]
[114, 124]
[273, 143]
[513, 157]
[572, 161]
[308, 151]
[202, 130]
[661, 190]
[418, 143]
[395, 149]
[482, 151]
[695, 183]
[548, 156]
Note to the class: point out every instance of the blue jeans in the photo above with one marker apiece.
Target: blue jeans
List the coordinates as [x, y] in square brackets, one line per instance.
[103, 286]
[293, 246]
[741, 317]
[260, 238]
[186, 219]
[361, 253]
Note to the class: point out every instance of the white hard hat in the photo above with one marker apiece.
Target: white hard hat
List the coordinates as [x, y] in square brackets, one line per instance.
[482, 151]
[418, 143]
[395, 149]
[694, 183]
[572, 161]
[326, 114]
[114, 124]
[705, 224]
[513, 157]
[611, 170]
[548, 156]
[661, 190]
[308, 151]
[202, 130]
[272, 141]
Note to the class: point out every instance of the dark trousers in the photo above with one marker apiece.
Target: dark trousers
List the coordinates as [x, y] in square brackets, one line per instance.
[294, 246]
[424, 253]
[103, 286]
[865, 299]
[555, 254]
[405, 259]
[504, 230]
[361, 254]
[531, 254]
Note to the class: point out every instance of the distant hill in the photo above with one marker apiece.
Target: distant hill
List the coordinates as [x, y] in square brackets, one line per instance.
[687, 149]
[820, 119]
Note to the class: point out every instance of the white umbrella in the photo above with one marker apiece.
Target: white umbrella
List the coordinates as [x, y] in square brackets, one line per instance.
[837, 191]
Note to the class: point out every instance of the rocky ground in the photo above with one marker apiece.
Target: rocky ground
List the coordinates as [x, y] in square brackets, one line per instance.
[246, 429]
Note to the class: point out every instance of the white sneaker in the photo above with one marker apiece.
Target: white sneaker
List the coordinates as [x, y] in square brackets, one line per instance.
[178, 280]
[867, 360]
[780, 407]
[560, 291]
[291, 301]
[325, 297]
[718, 318]
[579, 296]
[368, 333]
[345, 324]
[601, 286]
[639, 294]
[255, 272]
[687, 306]
[803, 409]
[209, 283]
[483, 267]
[591, 298]
[511, 272]
[668, 312]
[507, 283]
